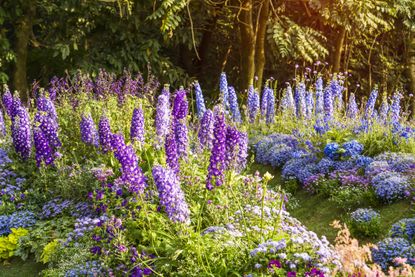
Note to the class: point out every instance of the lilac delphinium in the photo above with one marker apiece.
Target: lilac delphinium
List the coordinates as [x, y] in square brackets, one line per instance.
[309, 100]
[242, 151]
[217, 157]
[171, 195]
[233, 105]
[337, 94]
[200, 102]
[89, 134]
[7, 100]
[395, 108]
[264, 101]
[137, 126]
[370, 105]
[352, 109]
[180, 111]
[319, 110]
[21, 133]
[287, 102]
[384, 109]
[206, 130]
[162, 120]
[2, 125]
[270, 116]
[232, 142]
[253, 104]
[328, 104]
[223, 89]
[131, 171]
[104, 132]
[300, 103]
[166, 91]
[172, 158]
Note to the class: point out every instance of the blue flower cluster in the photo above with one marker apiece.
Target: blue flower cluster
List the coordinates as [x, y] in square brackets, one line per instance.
[390, 186]
[404, 228]
[275, 149]
[364, 215]
[89, 269]
[331, 150]
[19, 219]
[55, 207]
[389, 249]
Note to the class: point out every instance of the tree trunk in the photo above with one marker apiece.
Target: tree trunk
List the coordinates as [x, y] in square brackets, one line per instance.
[260, 42]
[411, 68]
[246, 27]
[23, 30]
[338, 50]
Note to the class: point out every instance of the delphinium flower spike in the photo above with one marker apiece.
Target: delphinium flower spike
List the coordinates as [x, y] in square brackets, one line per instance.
[234, 107]
[206, 130]
[223, 89]
[137, 128]
[104, 132]
[89, 134]
[352, 109]
[162, 120]
[200, 102]
[172, 158]
[21, 133]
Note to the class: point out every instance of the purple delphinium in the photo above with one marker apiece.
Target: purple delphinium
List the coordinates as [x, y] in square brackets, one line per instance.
[180, 111]
[206, 130]
[7, 100]
[223, 89]
[300, 103]
[171, 195]
[352, 109]
[137, 126]
[21, 133]
[45, 104]
[131, 171]
[49, 129]
[200, 102]
[162, 120]
[104, 132]
[43, 150]
[172, 158]
[2, 125]
[217, 157]
[231, 145]
[233, 105]
[270, 116]
[166, 91]
[328, 104]
[16, 104]
[242, 151]
[89, 134]
[253, 104]
[370, 105]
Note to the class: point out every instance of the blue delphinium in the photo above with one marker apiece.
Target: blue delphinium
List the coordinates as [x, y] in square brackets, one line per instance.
[234, 107]
[299, 98]
[205, 134]
[395, 108]
[171, 195]
[200, 102]
[352, 109]
[264, 101]
[319, 110]
[364, 215]
[89, 134]
[253, 104]
[287, 102]
[337, 94]
[370, 104]
[389, 249]
[404, 228]
[328, 104]
[352, 148]
[390, 186]
[309, 104]
[384, 109]
[137, 128]
[270, 115]
[331, 150]
[223, 88]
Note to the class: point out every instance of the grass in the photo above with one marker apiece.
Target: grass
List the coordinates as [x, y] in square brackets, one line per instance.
[316, 213]
[19, 268]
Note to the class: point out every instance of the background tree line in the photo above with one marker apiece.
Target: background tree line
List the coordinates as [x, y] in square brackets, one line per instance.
[179, 40]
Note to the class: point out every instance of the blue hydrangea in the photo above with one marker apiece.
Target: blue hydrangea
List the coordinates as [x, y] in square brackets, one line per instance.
[390, 186]
[352, 148]
[404, 228]
[331, 150]
[364, 215]
[389, 249]
[300, 169]
[89, 269]
[400, 162]
[325, 165]
[362, 161]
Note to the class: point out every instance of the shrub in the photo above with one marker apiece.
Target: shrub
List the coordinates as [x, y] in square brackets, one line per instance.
[390, 186]
[365, 222]
[404, 228]
[389, 249]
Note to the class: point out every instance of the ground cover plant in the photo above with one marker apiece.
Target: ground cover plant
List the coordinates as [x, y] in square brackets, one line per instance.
[114, 176]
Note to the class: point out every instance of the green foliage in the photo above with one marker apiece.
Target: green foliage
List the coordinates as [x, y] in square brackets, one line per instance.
[370, 229]
[352, 197]
[9, 243]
